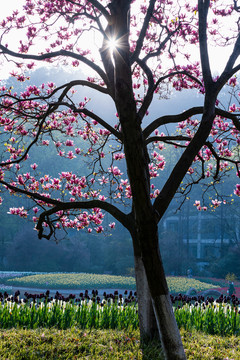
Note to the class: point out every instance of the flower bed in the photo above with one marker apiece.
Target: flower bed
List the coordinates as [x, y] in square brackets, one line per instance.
[97, 281]
[215, 317]
[115, 311]
[183, 284]
[74, 281]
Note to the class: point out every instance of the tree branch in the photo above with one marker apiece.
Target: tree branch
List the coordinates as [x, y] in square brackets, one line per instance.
[53, 54]
[161, 46]
[229, 69]
[148, 98]
[203, 6]
[143, 31]
[95, 117]
[101, 8]
[51, 109]
[170, 119]
[59, 205]
[107, 59]
[168, 139]
[81, 83]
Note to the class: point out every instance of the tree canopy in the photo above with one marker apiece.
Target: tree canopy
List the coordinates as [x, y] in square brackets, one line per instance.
[133, 52]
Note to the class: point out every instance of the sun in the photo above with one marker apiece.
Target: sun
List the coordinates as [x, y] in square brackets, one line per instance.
[112, 44]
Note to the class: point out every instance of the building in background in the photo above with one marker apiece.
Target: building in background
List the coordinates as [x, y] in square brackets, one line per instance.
[200, 237]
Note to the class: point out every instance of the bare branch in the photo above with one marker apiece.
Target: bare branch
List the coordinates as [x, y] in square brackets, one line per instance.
[148, 98]
[203, 6]
[143, 31]
[168, 139]
[81, 83]
[170, 119]
[107, 59]
[229, 69]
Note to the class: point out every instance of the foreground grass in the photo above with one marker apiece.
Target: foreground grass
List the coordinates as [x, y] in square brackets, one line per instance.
[74, 344]
[107, 344]
[97, 281]
[199, 346]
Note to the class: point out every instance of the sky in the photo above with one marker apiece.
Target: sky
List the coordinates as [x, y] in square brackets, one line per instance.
[8, 6]
[218, 56]
[6, 9]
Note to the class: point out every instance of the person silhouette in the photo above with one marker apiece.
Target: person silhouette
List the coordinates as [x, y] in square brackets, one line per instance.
[231, 289]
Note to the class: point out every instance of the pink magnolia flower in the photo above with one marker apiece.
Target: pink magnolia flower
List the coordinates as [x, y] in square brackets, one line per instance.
[70, 155]
[198, 205]
[58, 144]
[34, 166]
[237, 190]
[115, 171]
[124, 182]
[233, 81]
[102, 197]
[103, 180]
[20, 180]
[99, 229]
[69, 142]
[119, 156]
[161, 165]
[216, 203]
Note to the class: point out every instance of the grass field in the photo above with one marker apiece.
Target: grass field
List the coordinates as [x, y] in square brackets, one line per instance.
[107, 344]
[111, 344]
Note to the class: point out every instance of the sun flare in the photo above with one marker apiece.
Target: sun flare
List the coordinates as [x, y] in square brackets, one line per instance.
[112, 44]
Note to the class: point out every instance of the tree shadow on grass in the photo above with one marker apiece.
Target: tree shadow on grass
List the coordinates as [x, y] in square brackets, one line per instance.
[151, 349]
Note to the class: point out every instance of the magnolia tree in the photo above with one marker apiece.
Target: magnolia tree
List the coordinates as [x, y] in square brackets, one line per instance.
[132, 52]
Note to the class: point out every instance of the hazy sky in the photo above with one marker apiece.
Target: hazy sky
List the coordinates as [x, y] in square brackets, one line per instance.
[8, 6]
[218, 56]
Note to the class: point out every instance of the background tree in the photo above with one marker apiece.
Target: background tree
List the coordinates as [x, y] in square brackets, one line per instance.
[133, 51]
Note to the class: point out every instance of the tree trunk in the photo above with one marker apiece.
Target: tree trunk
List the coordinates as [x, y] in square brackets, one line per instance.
[168, 329]
[147, 320]
[162, 305]
[144, 227]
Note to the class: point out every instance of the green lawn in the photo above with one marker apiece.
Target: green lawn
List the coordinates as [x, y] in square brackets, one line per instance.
[107, 344]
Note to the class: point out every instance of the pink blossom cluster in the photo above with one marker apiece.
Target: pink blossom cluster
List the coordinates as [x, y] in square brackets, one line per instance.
[216, 203]
[199, 207]
[237, 190]
[20, 211]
